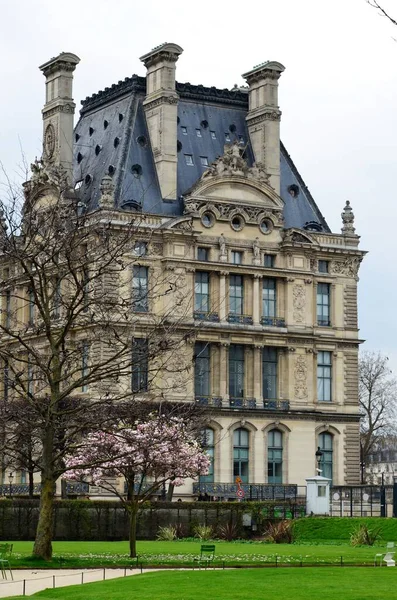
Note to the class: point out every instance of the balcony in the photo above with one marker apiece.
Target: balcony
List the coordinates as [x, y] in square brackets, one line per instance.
[243, 403]
[240, 319]
[199, 315]
[273, 322]
[249, 403]
[213, 401]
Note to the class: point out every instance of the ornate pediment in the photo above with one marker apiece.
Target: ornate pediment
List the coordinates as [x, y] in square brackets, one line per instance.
[293, 236]
[45, 174]
[230, 185]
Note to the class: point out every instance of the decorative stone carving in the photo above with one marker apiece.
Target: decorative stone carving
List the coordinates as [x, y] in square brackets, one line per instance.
[46, 173]
[222, 248]
[49, 140]
[348, 220]
[299, 302]
[176, 374]
[294, 237]
[348, 266]
[300, 373]
[256, 250]
[186, 225]
[156, 248]
[107, 192]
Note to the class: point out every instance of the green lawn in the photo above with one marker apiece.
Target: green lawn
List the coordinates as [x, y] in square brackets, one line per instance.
[250, 584]
[97, 554]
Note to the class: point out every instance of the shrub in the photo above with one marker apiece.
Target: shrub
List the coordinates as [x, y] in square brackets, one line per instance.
[363, 536]
[280, 532]
[203, 532]
[228, 531]
[166, 534]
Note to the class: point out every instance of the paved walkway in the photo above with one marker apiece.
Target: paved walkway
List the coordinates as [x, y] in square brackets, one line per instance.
[37, 580]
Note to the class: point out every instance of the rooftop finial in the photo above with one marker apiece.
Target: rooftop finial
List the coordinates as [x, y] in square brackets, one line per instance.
[348, 220]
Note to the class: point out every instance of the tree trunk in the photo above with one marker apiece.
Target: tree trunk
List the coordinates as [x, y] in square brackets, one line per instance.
[133, 511]
[43, 543]
[31, 483]
[170, 491]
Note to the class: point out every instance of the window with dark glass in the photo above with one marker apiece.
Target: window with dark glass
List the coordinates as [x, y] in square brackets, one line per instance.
[269, 373]
[84, 366]
[323, 304]
[56, 300]
[323, 266]
[31, 306]
[236, 257]
[275, 456]
[203, 254]
[202, 292]
[204, 161]
[268, 261]
[202, 369]
[241, 454]
[269, 298]
[8, 309]
[236, 295]
[325, 442]
[208, 444]
[140, 289]
[236, 371]
[324, 377]
[189, 160]
[139, 378]
[6, 381]
[140, 248]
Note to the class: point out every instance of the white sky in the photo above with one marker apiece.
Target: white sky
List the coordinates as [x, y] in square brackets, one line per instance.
[338, 96]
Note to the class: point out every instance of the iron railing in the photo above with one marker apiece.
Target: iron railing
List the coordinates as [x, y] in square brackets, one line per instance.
[243, 403]
[241, 319]
[361, 500]
[273, 321]
[252, 491]
[206, 316]
[22, 489]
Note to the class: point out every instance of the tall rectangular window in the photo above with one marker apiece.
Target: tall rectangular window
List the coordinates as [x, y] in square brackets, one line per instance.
[269, 298]
[208, 444]
[84, 366]
[202, 292]
[268, 260]
[203, 254]
[6, 381]
[275, 456]
[140, 367]
[236, 371]
[323, 266]
[31, 307]
[236, 257]
[324, 377]
[323, 304]
[236, 295]
[85, 288]
[202, 369]
[269, 373]
[241, 454]
[56, 299]
[8, 309]
[140, 289]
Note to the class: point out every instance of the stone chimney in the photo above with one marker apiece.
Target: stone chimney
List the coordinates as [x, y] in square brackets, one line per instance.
[58, 111]
[263, 118]
[161, 108]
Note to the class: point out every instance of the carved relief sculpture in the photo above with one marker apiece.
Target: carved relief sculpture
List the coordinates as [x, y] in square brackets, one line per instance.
[256, 250]
[300, 372]
[222, 248]
[299, 302]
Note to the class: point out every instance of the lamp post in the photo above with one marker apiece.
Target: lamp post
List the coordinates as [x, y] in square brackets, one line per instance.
[10, 479]
[319, 455]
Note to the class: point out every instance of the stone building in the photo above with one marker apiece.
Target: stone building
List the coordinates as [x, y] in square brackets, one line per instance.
[269, 290]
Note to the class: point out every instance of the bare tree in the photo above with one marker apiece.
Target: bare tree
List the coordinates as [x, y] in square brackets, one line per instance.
[378, 403]
[382, 11]
[77, 339]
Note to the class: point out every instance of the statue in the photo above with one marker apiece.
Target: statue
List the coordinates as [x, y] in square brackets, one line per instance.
[256, 248]
[222, 247]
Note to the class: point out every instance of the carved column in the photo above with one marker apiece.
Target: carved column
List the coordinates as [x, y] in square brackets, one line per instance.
[258, 373]
[256, 299]
[222, 296]
[223, 370]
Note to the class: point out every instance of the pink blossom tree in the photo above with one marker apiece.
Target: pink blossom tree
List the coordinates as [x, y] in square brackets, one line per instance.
[147, 455]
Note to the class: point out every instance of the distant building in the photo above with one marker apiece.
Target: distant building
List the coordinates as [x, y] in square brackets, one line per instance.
[273, 291]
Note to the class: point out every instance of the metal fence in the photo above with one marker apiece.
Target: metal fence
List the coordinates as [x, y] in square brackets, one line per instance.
[361, 501]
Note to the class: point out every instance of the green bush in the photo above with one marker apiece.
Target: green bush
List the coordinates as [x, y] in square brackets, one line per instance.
[166, 534]
[203, 532]
[280, 532]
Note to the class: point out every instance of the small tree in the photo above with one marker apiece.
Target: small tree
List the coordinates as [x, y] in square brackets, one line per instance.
[147, 455]
[378, 403]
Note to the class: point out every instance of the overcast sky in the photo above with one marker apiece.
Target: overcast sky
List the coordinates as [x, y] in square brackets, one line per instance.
[338, 96]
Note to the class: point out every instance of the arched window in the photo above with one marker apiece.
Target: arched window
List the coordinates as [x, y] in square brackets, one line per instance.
[241, 454]
[275, 456]
[325, 442]
[208, 442]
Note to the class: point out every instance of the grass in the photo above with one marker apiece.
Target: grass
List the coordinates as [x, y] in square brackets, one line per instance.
[255, 584]
[320, 529]
[182, 553]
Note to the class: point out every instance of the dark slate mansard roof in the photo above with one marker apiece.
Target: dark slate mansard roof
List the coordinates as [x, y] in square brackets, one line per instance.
[111, 137]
